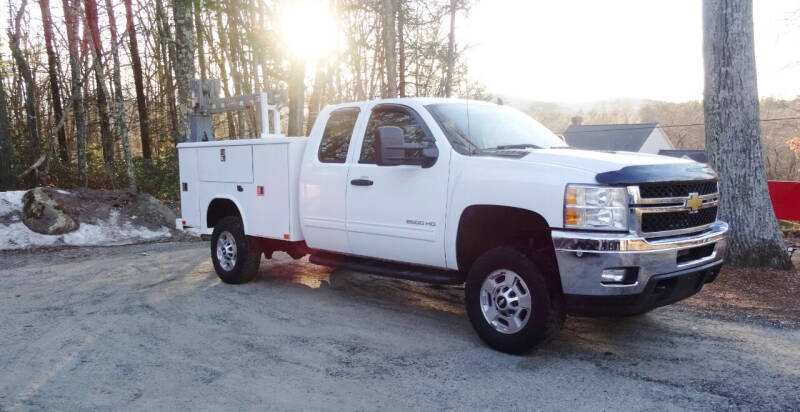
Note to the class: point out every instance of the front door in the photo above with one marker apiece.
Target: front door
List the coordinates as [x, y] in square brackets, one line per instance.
[397, 212]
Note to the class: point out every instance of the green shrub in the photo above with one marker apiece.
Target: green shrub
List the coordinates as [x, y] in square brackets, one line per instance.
[159, 176]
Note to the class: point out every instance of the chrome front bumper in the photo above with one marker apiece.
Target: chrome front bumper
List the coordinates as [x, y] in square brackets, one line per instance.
[582, 257]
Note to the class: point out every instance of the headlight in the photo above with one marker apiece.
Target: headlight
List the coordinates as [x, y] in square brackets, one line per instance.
[596, 207]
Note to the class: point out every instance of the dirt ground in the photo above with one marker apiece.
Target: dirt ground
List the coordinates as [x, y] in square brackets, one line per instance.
[150, 327]
[767, 296]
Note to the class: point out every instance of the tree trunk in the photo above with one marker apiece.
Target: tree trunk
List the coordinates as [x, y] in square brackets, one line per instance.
[168, 51]
[7, 176]
[184, 64]
[314, 106]
[24, 69]
[233, 59]
[389, 50]
[119, 100]
[71, 11]
[296, 96]
[106, 138]
[52, 69]
[733, 135]
[201, 51]
[451, 51]
[141, 99]
[401, 44]
[220, 59]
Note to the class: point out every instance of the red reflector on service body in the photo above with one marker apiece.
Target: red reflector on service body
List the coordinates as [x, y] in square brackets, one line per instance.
[286, 236]
[183, 222]
[259, 190]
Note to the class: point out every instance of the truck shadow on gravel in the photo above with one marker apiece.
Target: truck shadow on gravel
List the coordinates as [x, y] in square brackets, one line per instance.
[664, 327]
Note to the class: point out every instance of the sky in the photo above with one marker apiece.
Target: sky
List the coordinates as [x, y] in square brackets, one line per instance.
[588, 50]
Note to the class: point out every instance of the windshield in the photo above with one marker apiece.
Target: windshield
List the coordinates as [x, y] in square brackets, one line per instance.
[478, 127]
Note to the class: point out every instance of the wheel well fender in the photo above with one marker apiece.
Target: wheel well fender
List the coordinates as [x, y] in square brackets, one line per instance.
[221, 207]
[482, 227]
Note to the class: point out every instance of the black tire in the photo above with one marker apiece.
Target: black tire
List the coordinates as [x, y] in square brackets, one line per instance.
[546, 315]
[247, 258]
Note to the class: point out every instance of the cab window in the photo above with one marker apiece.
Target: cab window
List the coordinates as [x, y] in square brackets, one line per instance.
[336, 137]
[413, 131]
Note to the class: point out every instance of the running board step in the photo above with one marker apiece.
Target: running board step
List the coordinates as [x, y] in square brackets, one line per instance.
[389, 269]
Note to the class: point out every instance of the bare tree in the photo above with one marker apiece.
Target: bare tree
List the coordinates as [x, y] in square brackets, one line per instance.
[315, 105]
[119, 100]
[71, 11]
[296, 96]
[389, 49]
[7, 178]
[401, 45]
[184, 63]
[201, 51]
[167, 44]
[14, 35]
[451, 50]
[219, 57]
[106, 138]
[136, 66]
[52, 70]
[733, 135]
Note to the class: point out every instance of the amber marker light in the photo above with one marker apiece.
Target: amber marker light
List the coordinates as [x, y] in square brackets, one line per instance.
[571, 217]
[572, 196]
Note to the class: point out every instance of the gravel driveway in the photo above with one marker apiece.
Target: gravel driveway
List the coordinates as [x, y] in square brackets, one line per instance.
[150, 327]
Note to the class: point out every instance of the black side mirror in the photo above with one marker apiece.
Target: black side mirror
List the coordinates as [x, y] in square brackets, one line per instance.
[391, 149]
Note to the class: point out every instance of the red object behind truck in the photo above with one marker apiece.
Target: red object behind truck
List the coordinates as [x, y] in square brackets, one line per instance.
[785, 199]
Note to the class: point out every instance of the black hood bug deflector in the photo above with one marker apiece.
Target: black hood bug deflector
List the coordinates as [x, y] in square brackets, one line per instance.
[678, 172]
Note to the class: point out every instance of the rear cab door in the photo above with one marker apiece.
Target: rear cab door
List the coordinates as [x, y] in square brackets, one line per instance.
[323, 187]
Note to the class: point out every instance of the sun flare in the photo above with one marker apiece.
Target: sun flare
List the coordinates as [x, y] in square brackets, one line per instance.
[308, 27]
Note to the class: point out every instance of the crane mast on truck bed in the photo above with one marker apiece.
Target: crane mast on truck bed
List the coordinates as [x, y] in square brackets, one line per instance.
[206, 103]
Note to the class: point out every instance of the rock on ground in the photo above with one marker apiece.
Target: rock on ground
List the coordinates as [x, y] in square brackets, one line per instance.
[42, 214]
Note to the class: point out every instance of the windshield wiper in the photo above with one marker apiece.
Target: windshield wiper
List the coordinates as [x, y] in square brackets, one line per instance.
[517, 146]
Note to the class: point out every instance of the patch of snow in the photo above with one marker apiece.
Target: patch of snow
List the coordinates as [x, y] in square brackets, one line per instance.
[63, 192]
[111, 231]
[11, 202]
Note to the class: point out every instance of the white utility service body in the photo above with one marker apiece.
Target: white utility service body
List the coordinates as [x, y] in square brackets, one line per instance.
[441, 207]
[241, 171]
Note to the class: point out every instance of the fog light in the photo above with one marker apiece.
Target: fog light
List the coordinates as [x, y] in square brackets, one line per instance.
[613, 275]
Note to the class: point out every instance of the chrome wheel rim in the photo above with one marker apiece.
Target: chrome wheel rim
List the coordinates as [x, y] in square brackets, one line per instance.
[226, 251]
[506, 301]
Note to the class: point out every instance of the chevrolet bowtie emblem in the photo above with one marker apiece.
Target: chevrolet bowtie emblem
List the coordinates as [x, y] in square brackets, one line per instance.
[693, 202]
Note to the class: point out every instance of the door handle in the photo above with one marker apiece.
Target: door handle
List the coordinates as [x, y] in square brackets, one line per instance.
[361, 182]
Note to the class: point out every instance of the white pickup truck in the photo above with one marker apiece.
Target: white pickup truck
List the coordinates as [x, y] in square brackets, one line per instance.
[450, 192]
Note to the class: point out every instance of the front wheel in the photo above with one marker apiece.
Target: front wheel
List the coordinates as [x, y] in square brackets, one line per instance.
[509, 303]
[235, 259]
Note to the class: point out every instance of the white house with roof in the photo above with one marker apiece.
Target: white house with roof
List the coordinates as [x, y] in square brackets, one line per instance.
[641, 137]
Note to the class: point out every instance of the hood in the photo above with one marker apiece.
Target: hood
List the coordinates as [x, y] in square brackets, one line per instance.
[618, 168]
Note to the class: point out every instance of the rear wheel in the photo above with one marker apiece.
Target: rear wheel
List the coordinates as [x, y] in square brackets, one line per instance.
[235, 260]
[509, 303]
